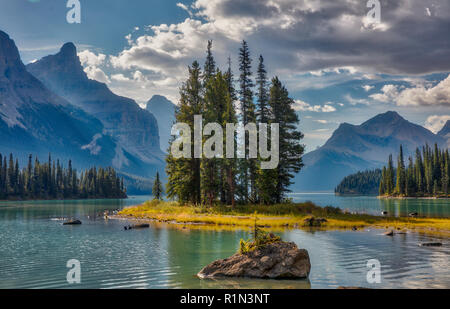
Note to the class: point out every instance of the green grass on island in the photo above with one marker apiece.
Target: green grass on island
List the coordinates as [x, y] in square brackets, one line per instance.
[281, 216]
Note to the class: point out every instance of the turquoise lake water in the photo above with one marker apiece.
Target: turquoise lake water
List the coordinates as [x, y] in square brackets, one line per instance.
[35, 247]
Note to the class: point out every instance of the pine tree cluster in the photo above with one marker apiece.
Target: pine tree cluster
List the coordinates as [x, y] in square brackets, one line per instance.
[50, 180]
[427, 175]
[212, 94]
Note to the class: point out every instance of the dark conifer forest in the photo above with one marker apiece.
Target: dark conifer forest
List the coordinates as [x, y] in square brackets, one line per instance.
[51, 180]
[425, 175]
[361, 183]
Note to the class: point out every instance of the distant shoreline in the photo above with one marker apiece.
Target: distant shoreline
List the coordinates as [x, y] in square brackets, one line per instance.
[413, 198]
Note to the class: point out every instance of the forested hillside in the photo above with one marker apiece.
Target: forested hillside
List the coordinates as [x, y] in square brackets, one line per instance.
[361, 183]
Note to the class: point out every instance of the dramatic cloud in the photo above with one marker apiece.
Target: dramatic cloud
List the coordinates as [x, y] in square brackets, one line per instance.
[436, 123]
[312, 36]
[419, 95]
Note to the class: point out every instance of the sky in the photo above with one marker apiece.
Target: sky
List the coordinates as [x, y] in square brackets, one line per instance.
[338, 64]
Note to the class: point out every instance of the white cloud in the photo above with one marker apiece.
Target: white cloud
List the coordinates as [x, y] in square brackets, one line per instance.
[367, 88]
[91, 63]
[422, 94]
[89, 58]
[435, 123]
[184, 7]
[303, 106]
[96, 74]
[389, 93]
[354, 101]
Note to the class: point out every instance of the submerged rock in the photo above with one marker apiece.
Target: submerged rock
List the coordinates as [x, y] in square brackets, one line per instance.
[280, 260]
[72, 222]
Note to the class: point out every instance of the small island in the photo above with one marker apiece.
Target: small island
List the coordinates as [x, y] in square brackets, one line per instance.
[265, 256]
[275, 217]
[51, 180]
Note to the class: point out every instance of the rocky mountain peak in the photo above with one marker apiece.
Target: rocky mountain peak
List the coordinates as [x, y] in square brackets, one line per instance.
[9, 55]
[66, 61]
[68, 50]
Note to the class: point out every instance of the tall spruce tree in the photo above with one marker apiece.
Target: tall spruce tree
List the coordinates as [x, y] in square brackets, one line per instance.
[263, 111]
[248, 169]
[230, 164]
[184, 174]
[158, 188]
[400, 184]
[290, 147]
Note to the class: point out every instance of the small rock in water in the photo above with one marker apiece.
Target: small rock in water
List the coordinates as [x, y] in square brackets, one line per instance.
[72, 222]
[413, 214]
[389, 233]
[431, 244]
[279, 260]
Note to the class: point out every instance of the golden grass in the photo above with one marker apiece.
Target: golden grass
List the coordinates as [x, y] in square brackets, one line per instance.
[277, 217]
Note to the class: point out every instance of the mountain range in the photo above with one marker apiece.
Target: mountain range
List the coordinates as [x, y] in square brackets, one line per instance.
[353, 148]
[51, 106]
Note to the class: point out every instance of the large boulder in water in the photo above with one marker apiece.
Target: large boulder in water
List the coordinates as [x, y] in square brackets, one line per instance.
[280, 260]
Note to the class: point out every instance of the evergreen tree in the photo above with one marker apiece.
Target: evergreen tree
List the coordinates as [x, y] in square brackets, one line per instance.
[248, 169]
[263, 96]
[216, 100]
[158, 189]
[210, 64]
[290, 148]
[184, 177]
[230, 165]
[400, 184]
